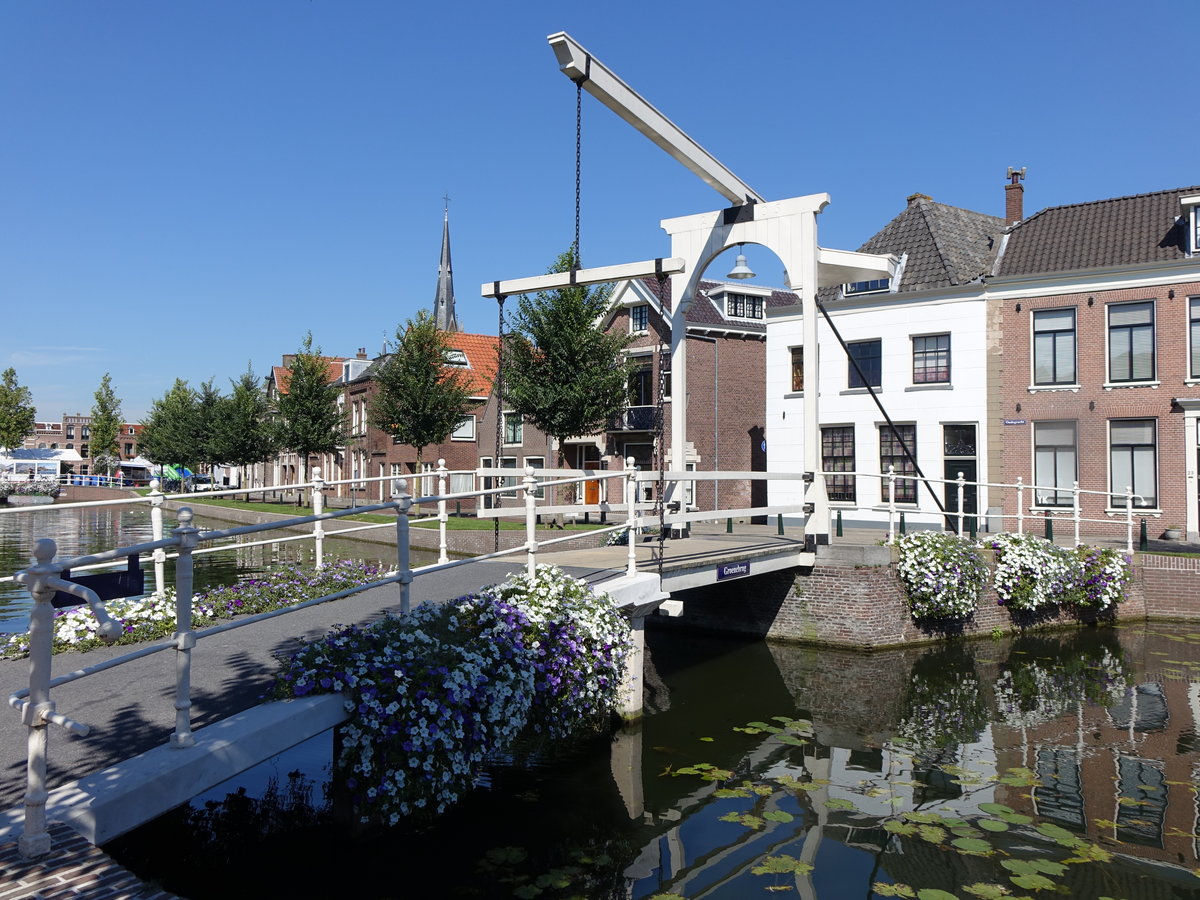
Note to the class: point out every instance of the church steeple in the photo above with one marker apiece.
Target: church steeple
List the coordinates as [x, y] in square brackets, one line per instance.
[443, 301]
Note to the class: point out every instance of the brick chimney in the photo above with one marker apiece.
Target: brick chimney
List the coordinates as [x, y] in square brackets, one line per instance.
[1014, 197]
[362, 353]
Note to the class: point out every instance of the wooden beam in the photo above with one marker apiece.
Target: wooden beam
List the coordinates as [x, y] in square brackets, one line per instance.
[599, 275]
[603, 84]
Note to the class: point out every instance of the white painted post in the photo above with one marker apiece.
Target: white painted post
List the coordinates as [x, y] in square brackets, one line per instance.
[1075, 509]
[185, 638]
[156, 530]
[1129, 495]
[35, 839]
[961, 484]
[443, 517]
[403, 502]
[1020, 505]
[531, 543]
[891, 482]
[318, 507]
[632, 525]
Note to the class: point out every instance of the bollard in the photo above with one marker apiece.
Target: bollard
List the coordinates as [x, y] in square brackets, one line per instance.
[1143, 542]
[902, 528]
[458, 509]
[973, 524]
[779, 523]
[1049, 528]
[729, 525]
[839, 523]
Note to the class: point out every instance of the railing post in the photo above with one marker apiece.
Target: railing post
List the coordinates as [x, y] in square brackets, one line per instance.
[631, 499]
[403, 502]
[185, 638]
[318, 507]
[961, 490]
[156, 530]
[1129, 495]
[531, 544]
[35, 839]
[1077, 510]
[442, 472]
[891, 477]
[1020, 505]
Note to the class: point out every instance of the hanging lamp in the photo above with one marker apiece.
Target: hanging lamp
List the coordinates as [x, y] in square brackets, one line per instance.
[740, 271]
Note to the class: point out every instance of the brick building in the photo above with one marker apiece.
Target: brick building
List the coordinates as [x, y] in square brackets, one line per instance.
[74, 433]
[1095, 356]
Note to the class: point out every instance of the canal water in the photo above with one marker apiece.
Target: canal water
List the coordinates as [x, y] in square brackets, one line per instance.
[83, 531]
[1062, 763]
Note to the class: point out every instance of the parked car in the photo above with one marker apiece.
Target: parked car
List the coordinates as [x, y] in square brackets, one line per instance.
[204, 483]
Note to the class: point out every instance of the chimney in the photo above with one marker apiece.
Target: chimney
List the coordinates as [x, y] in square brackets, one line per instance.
[362, 352]
[1014, 197]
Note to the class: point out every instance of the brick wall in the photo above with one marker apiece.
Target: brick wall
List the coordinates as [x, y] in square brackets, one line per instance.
[852, 598]
[1091, 406]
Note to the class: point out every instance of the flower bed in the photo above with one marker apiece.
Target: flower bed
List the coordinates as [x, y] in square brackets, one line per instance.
[942, 575]
[434, 693]
[153, 616]
[30, 487]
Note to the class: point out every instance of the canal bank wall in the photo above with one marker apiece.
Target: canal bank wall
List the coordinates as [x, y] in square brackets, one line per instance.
[852, 598]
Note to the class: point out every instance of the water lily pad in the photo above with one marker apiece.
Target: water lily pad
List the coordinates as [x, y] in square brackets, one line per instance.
[895, 826]
[971, 845]
[839, 803]
[1015, 818]
[778, 815]
[995, 808]
[782, 865]
[935, 894]
[932, 833]
[987, 891]
[726, 793]
[1055, 832]
[1033, 882]
[789, 739]
[992, 825]
[883, 889]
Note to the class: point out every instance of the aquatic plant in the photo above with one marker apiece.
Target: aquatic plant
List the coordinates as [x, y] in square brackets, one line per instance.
[432, 694]
[941, 573]
[153, 616]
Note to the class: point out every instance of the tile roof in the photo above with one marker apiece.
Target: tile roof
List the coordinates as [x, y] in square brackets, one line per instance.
[282, 374]
[704, 313]
[1141, 228]
[945, 245]
[481, 353]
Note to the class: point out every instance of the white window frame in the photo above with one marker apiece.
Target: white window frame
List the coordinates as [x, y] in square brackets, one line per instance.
[640, 308]
[537, 462]
[1116, 492]
[1193, 326]
[465, 430]
[873, 286]
[1153, 379]
[1034, 384]
[1060, 489]
[912, 339]
[747, 300]
[520, 429]
[509, 481]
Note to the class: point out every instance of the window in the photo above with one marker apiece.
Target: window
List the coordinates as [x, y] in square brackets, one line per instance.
[837, 455]
[797, 368]
[462, 482]
[931, 359]
[868, 355]
[508, 481]
[129, 449]
[465, 430]
[1131, 342]
[891, 453]
[537, 462]
[457, 358]
[641, 387]
[875, 286]
[131, 430]
[1134, 460]
[513, 430]
[70, 432]
[1142, 801]
[488, 500]
[1054, 346]
[1059, 793]
[743, 306]
[1054, 463]
[639, 318]
[1194, 335]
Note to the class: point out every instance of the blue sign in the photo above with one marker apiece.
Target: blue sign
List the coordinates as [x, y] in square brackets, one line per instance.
[1015, 422]
[733, 570]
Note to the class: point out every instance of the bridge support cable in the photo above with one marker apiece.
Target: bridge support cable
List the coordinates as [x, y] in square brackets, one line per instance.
[498, 393]
[887, 418]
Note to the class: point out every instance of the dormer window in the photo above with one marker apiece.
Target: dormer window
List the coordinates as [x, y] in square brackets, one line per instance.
[743, 306]
[875, 286]
[1191, 216]
[457, 358]
[639, 318]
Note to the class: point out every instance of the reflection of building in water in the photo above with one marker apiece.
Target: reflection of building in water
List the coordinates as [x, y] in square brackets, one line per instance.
[1123, 774]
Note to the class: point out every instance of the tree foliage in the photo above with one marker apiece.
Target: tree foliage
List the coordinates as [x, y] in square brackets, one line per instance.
[422, 397]
[209, 408]
[310, 420]
[562, 371]
[242, 431]
[171, 431]
[17, 412]
[105, 428]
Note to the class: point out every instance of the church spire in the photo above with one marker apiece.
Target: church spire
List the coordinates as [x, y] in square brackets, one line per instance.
[443, 301]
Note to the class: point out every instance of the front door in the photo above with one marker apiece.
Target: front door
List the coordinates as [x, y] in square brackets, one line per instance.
[959, 455]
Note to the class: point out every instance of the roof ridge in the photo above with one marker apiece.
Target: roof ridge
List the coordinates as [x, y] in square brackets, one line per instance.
[949, 268]
[1046, 209]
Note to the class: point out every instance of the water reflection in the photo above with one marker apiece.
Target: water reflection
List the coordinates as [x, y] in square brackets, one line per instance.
[845, 770]
[80, 532]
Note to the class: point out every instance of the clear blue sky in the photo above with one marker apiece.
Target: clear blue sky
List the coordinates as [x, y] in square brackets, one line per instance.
[189, 187]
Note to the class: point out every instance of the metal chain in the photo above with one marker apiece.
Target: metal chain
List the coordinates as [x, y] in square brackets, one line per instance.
[578, 155]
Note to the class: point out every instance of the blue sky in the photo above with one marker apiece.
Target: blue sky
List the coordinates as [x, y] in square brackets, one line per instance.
[189, 187]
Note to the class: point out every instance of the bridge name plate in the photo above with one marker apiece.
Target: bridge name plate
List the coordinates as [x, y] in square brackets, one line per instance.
[733, 570]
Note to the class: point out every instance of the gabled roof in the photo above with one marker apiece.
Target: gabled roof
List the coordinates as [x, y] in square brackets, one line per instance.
[480, 351]
[944, 246]
[1141, 228]
[705, 313]
[283, 374]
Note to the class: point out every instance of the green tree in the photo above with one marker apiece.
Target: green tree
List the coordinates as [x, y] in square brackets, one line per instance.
[310, 420]
[208, 410]
[243, 432]
[105, 428]
[17, 412]
[422, 397]
[563, 372]
[171, 432]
